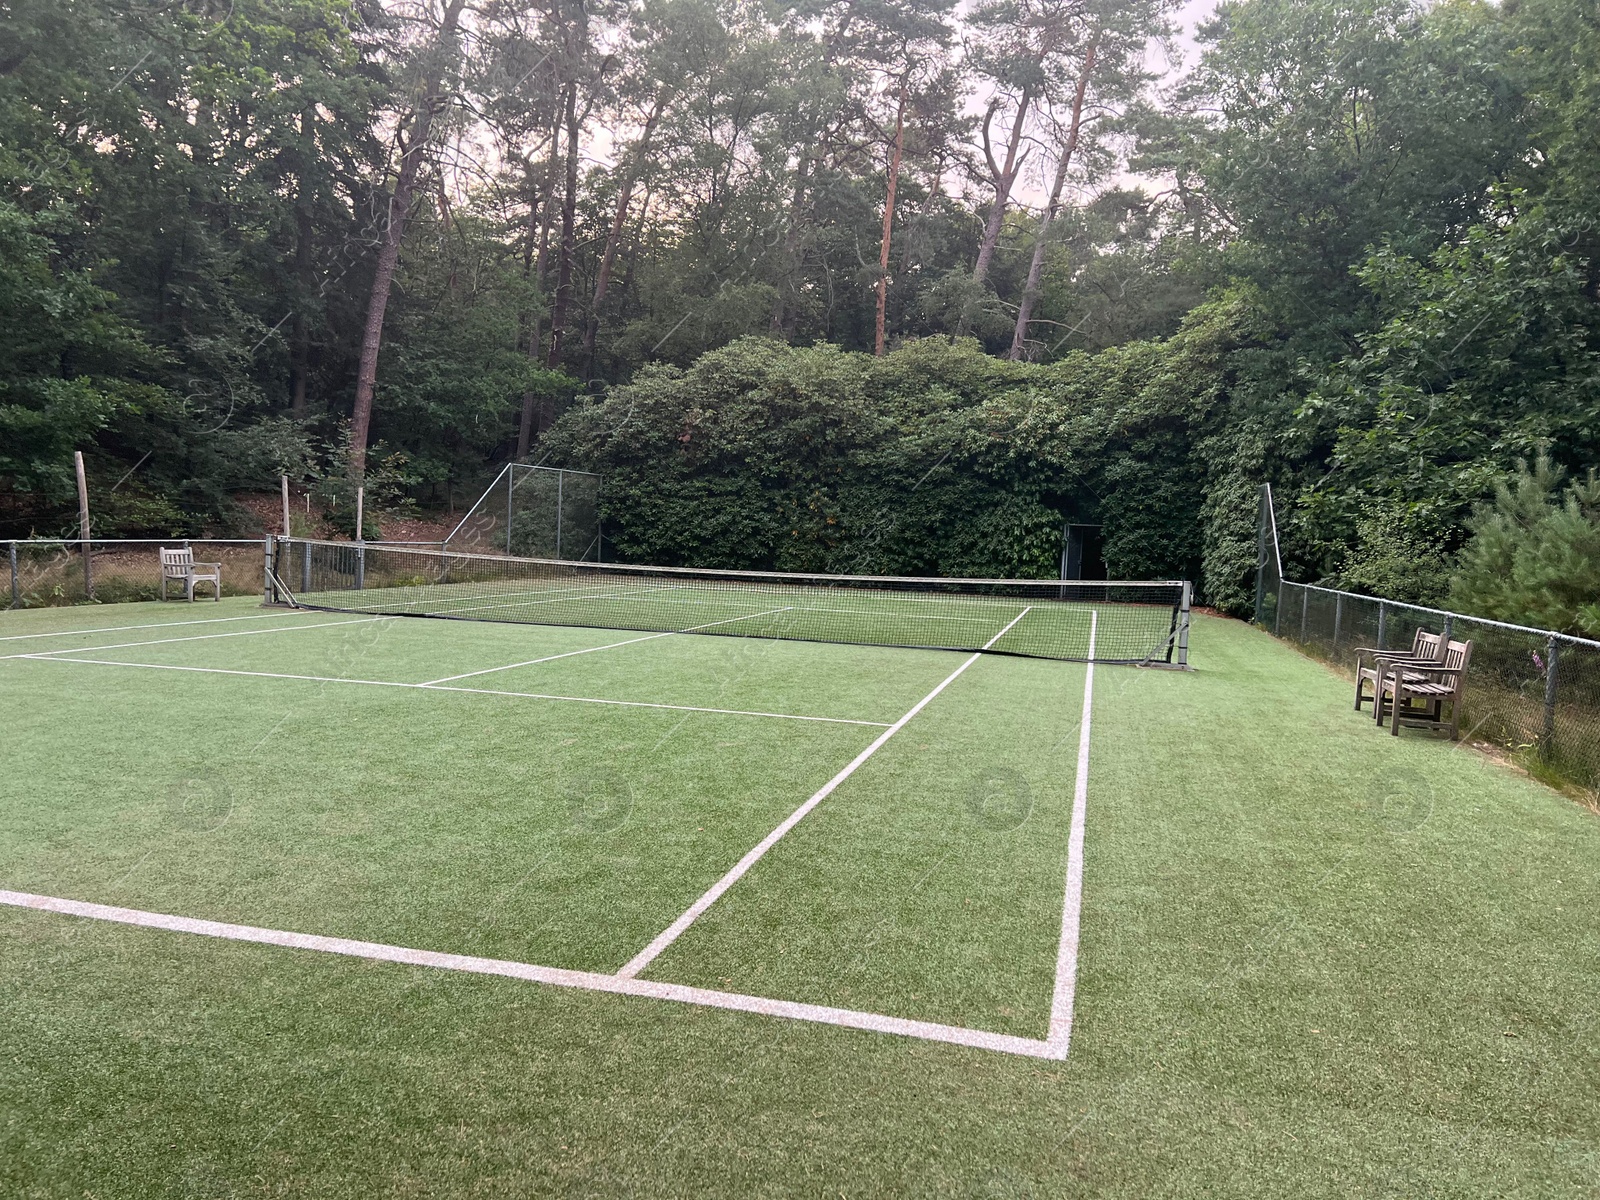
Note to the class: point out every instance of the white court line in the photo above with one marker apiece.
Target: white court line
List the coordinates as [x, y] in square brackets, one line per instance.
[649, 637]
[672, 932]
[390, 683]
[14, 637]
[1060, 1035]
[200, 637]
[584, 980]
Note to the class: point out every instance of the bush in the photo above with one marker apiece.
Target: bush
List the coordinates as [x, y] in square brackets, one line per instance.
[1534, 558]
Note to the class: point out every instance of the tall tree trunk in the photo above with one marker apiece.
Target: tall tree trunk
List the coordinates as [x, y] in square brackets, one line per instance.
[531, 320]
[300, 334]
[1030, 290]
[619, 219]
[1004, 177]
[782, 314]
[888, 217]
[569, 213]
[411, 160]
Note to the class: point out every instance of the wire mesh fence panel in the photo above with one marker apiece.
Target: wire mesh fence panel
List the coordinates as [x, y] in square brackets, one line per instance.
[1127, 622]
[45, 573]
[534, 512]
[1532, 691]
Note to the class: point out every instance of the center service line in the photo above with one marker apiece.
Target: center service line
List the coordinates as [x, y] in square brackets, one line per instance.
[672, 932]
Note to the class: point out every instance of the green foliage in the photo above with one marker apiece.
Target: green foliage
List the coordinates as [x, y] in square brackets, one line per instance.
[1399, 554]
[1534, 558]
[935, 459]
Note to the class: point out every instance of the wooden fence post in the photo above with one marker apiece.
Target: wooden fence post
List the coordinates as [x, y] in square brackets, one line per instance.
[83, 524]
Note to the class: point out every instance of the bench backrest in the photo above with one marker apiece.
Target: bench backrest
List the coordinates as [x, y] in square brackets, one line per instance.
[1430, 647]
[1457, 656]
[176, 562]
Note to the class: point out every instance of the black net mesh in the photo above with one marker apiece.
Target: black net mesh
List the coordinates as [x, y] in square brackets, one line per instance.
[1528, 690]
[1130, 622]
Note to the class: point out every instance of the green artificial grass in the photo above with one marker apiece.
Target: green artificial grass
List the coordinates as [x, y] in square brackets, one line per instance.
[1316, 960]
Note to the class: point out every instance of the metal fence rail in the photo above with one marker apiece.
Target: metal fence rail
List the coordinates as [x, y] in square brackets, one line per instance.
[1531, 691]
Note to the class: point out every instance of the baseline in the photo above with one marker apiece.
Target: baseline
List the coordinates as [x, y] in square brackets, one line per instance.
[582, 980]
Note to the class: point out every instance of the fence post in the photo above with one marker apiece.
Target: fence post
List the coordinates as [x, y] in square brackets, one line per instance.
[83, 525]
[1338, 618]
[1383, 614]
[1547, 737]
[16, 592]
[1277, 610]
[1305, 609]
[511, 495]
[1449, 626]
[561, 479]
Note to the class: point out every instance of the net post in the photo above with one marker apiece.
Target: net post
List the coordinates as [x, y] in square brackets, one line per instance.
[1183, 623]
[305, 567]
[361, 566]
[1261, 556]
[1547, 735]
[269, 594]
[16, 592]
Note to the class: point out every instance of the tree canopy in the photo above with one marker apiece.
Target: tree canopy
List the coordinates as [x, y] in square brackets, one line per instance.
[899, 285]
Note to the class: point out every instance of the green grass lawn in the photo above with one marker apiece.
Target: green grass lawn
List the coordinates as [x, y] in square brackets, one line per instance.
[1316, 960]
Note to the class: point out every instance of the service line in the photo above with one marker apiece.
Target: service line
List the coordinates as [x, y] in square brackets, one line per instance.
[391, 683]
[649, 637]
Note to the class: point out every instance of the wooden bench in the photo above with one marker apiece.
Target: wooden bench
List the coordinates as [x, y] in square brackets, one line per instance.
[179, 566]
[1417, 695]
[1426, 649]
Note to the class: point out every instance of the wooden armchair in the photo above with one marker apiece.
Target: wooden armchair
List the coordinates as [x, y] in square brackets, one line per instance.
[180, 567]
[1426, 649]
[1417, 695]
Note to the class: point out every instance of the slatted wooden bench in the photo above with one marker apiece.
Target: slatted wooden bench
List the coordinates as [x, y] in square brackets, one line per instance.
[1419, 695]
[179, 566]
[1426, 649]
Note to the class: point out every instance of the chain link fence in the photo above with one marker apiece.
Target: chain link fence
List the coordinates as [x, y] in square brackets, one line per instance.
[1533, 692]
[534, 512]
[43, 573]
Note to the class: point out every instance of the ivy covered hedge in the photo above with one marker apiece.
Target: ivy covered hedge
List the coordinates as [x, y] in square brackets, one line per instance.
[935, 459]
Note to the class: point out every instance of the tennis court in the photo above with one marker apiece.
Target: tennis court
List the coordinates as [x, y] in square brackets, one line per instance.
[606, 809]
[345, 902]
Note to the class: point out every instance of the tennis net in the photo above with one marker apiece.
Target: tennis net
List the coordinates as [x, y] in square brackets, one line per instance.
[1064, 619]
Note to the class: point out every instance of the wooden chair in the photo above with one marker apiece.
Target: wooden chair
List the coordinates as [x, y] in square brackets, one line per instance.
[1426, 649]
[179, 565]
[1417, 695]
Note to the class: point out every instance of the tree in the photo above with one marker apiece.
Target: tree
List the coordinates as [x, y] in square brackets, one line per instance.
[1534, 557]
[437, 56]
